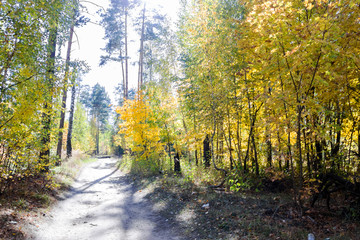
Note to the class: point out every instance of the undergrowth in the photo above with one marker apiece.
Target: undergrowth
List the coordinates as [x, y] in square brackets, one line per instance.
[65, 174]
[163, 166]
[247, 207]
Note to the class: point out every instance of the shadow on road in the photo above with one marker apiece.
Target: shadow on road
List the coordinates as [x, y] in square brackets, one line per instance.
[113, 207]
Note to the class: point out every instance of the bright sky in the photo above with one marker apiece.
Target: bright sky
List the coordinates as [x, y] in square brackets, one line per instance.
[90, 42]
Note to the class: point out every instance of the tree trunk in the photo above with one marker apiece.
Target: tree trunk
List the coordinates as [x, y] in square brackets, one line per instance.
[71, 119]
[97, 136]
[279, 149]
[247, 149]
[358, 140]
[269, 147]
[289, 156]
[46, 116]
[123, 72]
[251, 140]
[298, 143]
[141, 58]
[251, 128]
[318, 156]
[220, 137]
[196, 157]
[307, 153]
[213, 154]
[239, 139]
[358, 143]
[196, 141]
[237, 146]
[126, 57]
[177, 167]
[335, 148]
[168, 142]
[230, 145]
[207, 152]
[256, 161]
[64, 92]
[298, 187]
[187, 141]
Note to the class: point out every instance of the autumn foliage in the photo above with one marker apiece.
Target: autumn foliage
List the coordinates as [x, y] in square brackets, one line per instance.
[270, 86]
[139, 127]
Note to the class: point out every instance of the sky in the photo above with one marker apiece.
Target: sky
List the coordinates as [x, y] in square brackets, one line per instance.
[89, 42]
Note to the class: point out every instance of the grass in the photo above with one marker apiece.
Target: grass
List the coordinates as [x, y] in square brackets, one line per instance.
[66, 173]
[21, 204]
[43, 199]
[130, 165]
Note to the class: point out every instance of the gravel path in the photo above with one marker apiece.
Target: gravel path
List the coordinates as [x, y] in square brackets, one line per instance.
[103, 204]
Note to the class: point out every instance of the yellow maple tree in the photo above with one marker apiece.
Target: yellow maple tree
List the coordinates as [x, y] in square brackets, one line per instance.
[138, 125]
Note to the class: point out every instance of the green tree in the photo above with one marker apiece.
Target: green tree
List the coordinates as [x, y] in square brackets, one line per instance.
[81, 134]
[76, 21]
[115, 21]
[100, 110]
[29, 80]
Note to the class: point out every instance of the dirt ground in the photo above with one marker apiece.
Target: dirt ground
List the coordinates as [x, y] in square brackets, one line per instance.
[103, 204]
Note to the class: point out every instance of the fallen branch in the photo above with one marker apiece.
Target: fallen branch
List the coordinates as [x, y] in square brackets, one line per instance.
[277, 208]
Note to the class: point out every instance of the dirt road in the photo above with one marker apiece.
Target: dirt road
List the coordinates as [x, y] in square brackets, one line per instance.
[103, 204]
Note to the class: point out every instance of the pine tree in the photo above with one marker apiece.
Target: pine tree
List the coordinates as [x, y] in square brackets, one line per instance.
[100, 110]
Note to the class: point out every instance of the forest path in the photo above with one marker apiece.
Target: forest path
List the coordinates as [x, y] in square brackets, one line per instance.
[103, 204]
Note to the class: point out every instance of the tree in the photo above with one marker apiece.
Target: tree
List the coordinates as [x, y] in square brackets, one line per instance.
[46, 117]
[141, 57]
[21, 82]
[211, 65]
[50, 82]
[140, 128]
[264, 86]
[115, 22]
[70, 66]
[64, 91]
[29, 80]
[81, 135]
[100, 110]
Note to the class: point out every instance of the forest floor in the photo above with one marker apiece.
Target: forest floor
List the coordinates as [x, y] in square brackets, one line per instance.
[206, 213]
[105, 203]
